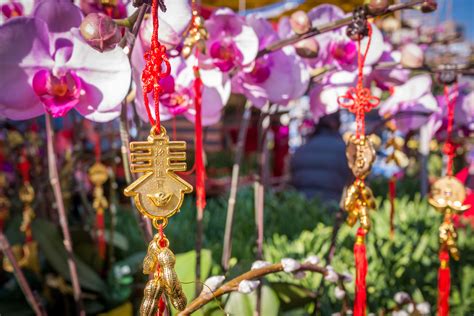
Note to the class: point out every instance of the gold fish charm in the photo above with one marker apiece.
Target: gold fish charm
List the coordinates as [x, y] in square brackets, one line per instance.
[159, 192]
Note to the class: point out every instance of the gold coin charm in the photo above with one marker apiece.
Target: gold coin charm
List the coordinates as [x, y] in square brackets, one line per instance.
[448, 193]
[159, 192]
[360, 155]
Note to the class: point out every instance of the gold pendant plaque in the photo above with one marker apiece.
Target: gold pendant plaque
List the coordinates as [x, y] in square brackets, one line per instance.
[360, 155]
[159, 192]
[448, 193]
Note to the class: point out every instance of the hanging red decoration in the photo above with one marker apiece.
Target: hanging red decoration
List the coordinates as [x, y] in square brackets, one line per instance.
[360, 154]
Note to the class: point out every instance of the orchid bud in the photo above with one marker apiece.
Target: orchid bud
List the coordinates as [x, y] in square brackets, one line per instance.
[412, 56]
[100, 31]
[377, 7]
[307, 48]
[299, 22]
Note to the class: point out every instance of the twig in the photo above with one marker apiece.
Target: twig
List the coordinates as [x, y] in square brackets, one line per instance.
[233, 284]
[58, 196]
[25, 287]
[327, 27]
[227, 249]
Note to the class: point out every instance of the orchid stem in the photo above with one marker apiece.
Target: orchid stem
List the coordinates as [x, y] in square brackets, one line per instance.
[330, 26]
[25, 287]
[227, 249]
[58, 196]
[128, 22]
[233, 285]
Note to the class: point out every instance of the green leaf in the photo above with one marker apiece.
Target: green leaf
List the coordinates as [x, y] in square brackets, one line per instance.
[51, 245]
[185, 268]
[244, 304]
[291, 295]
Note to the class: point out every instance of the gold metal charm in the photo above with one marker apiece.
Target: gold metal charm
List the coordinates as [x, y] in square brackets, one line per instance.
[159, 192]
[26, 254]
[160, 262]
[196, 37]
[358, 202]
[448, 194]
[360, 155]
[397, 156]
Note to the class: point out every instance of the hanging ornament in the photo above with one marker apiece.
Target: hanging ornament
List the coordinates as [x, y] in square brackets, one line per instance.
[98, 175]
[447, 196]
[26, 254]
[158, 193]
[360, 152]
[395, 146]
[197, 35]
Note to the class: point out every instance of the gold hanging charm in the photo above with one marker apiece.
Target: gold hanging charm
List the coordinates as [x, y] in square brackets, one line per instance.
[27, 254]
[158, 194]
[196, 37]
[447, 197]
[359, 199]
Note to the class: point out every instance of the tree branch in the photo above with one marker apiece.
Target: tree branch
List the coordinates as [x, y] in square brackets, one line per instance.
[233, 285]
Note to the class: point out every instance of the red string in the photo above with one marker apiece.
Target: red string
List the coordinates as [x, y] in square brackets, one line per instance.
[359, 100]
[97, 150]
[449, 148]
[155, 59]
[200, 169]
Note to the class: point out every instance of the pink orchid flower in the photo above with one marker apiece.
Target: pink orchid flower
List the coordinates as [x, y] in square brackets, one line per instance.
[172, 25]
[178, 94]
[46, 66]
[414, 95]
[116, 11]
[14, 8]
[232, 43]
[268, 77]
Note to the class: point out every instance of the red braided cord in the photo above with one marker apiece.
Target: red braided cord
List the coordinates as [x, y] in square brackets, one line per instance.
[449, 148]
[359, 100]
[155, 57]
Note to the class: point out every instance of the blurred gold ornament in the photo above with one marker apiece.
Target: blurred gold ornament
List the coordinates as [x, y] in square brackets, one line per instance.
[196, 37]
[397, 156]
[358, 202]
[448, 195]
[360, 155]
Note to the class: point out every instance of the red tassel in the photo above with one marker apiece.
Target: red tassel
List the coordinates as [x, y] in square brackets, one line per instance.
[161, 306]
[360, 256]
[444, 283]
[200, 170]
[99, 221]
[392, 191]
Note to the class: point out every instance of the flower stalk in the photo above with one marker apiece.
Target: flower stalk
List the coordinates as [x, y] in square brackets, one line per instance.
[58, 196]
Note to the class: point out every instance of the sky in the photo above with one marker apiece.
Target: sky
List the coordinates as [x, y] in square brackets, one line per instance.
[462, 11]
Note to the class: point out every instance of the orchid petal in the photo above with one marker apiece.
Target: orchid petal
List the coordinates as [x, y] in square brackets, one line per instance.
[106, 77]
[174, 22]
[24, 49]
[376, 47]
[59, 15]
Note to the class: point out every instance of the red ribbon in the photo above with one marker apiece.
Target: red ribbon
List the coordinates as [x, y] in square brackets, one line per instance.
[155, 59]
[100, 227]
